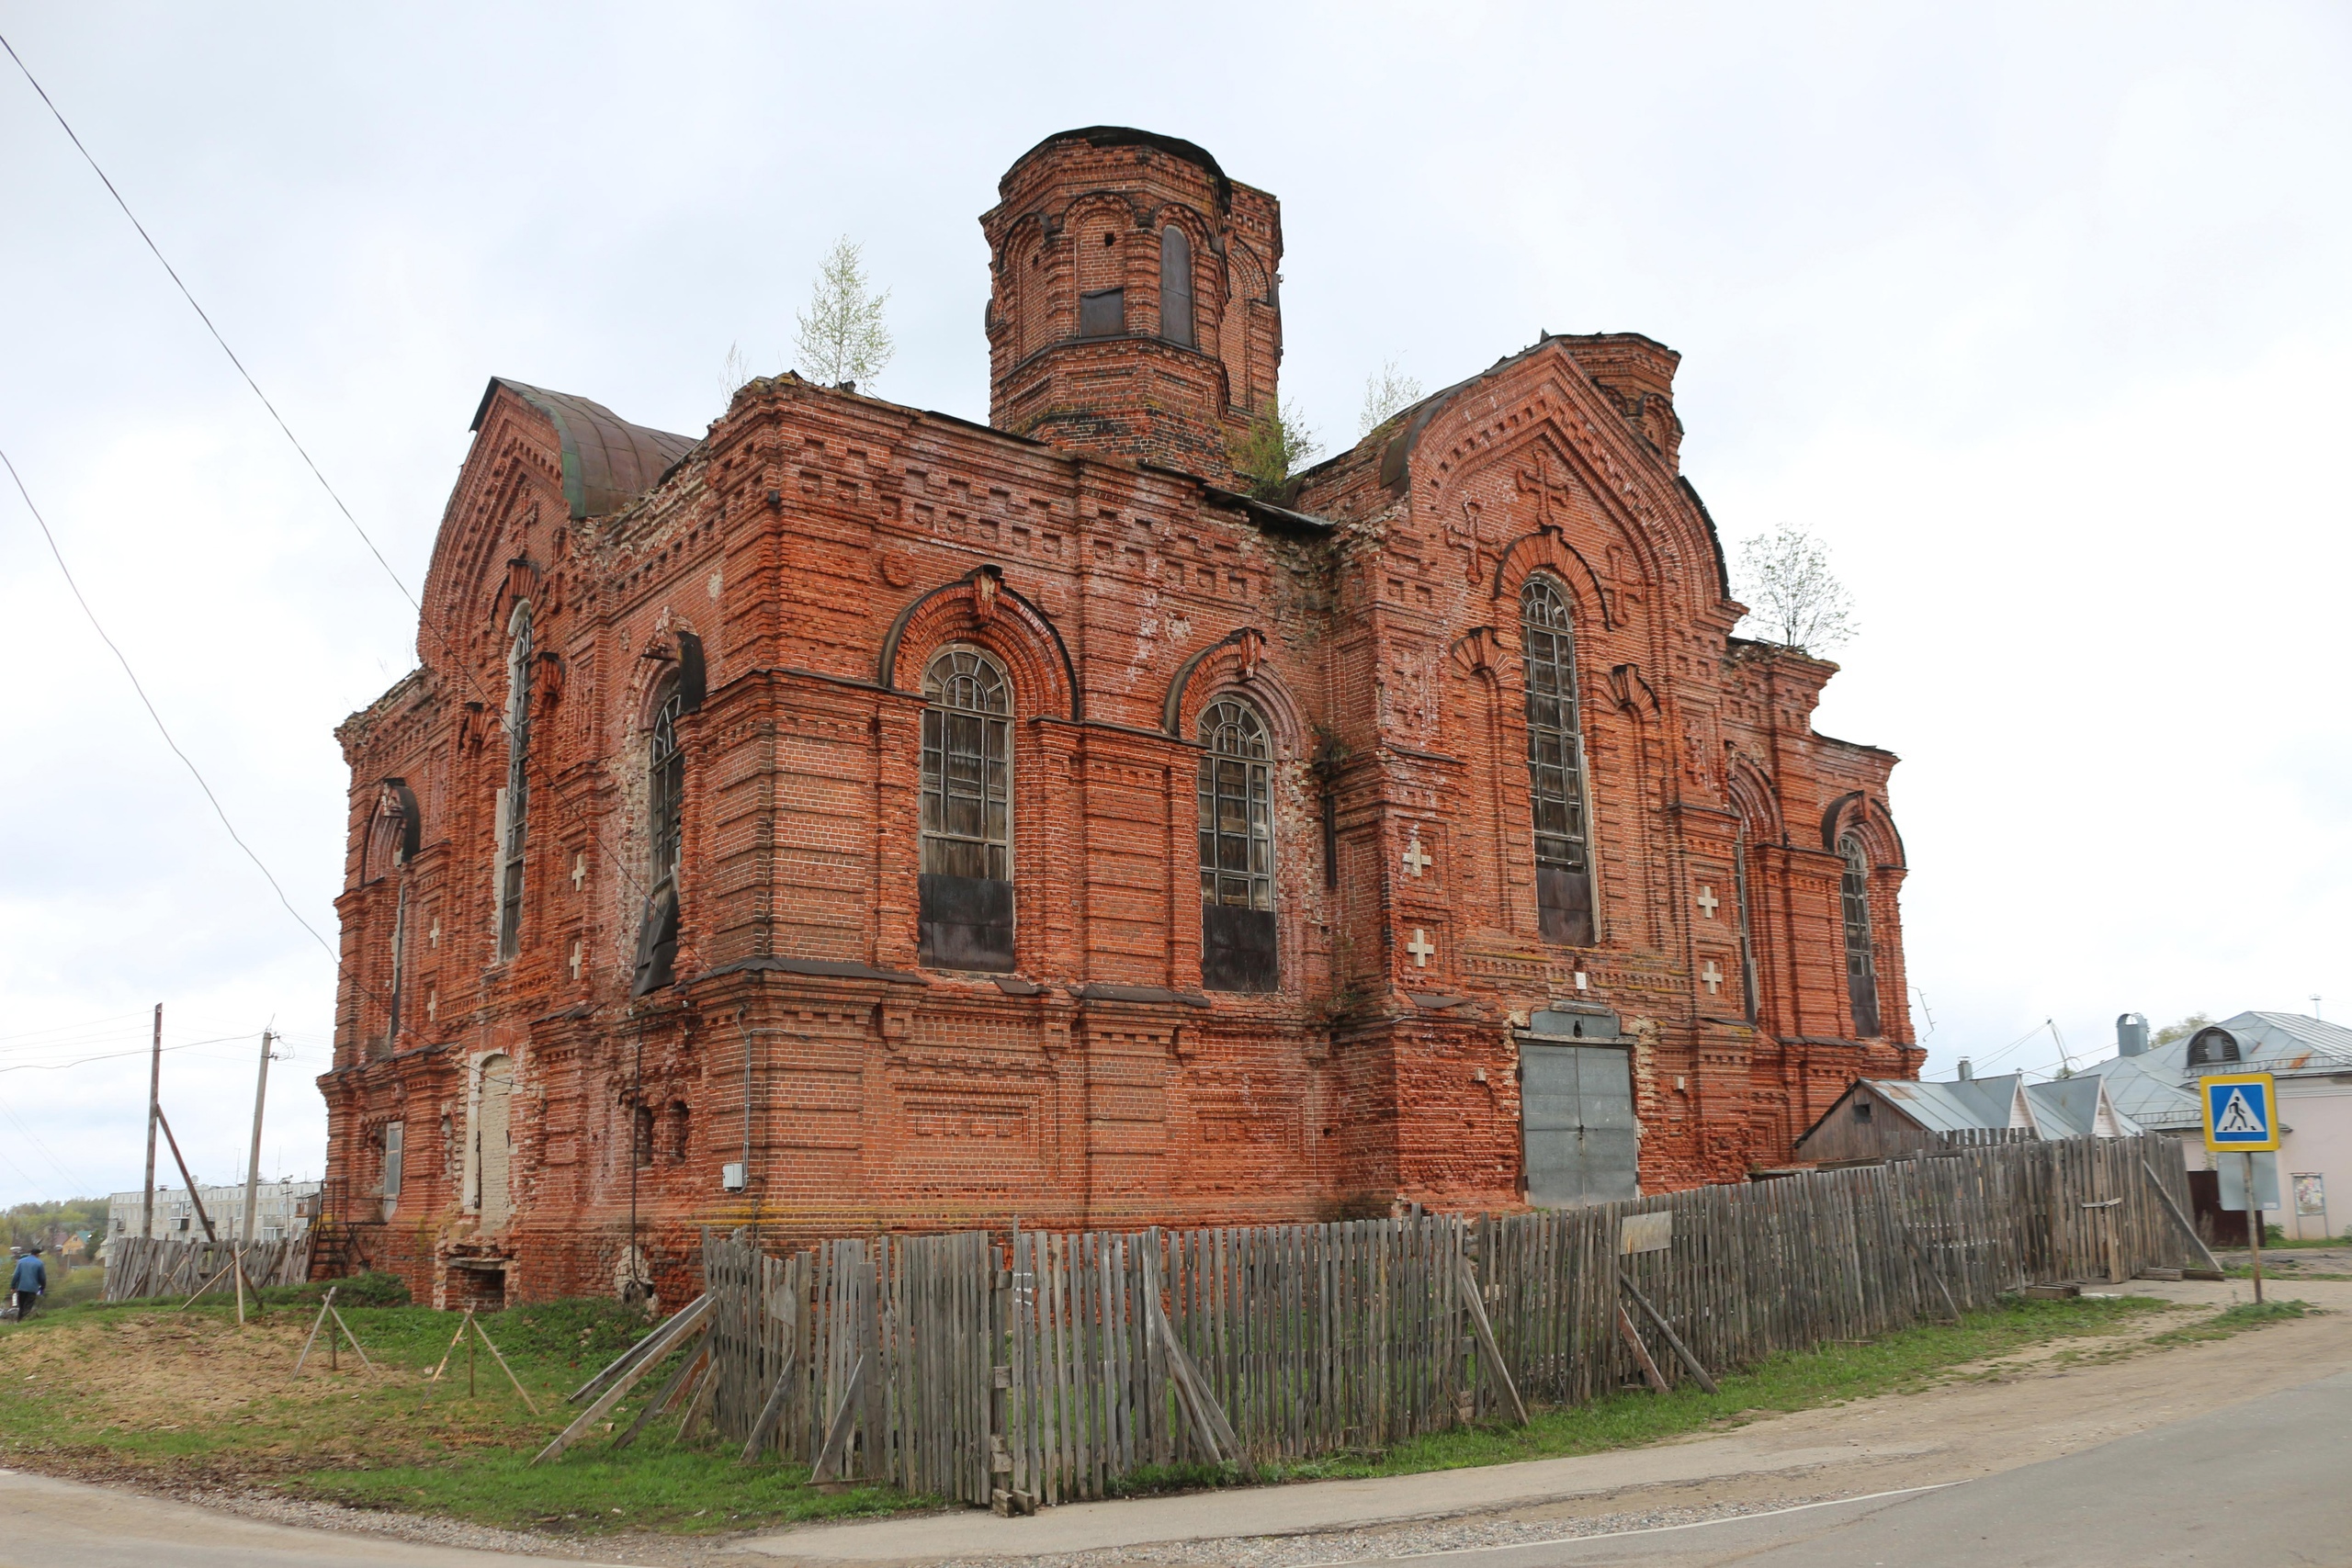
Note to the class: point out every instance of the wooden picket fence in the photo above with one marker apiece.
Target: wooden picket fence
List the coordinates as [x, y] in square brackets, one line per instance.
[1046, 1366]
[141, 1266]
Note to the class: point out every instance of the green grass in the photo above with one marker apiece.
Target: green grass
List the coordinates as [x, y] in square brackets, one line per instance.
[1833, 1375]
[2234, 1320]
[142, 1390]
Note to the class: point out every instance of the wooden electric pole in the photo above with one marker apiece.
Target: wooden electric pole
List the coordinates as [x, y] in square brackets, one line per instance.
[154, 1099]
[253, 1163]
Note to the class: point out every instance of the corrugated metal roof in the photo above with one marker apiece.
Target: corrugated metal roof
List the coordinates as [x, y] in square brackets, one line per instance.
[2068, 1108]
[2149, 1093]
[1961, 1106]
[607, 462]
[2155, 1087]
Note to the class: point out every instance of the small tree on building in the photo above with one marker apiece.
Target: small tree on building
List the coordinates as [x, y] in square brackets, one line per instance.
[1792, 597]
[843, 338]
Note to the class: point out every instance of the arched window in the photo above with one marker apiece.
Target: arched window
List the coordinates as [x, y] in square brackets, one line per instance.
[1237, 952]
[513, 801]
[666, 784]
[1175, 286]
[967, 883]
[1861, 969]
[1555, 765]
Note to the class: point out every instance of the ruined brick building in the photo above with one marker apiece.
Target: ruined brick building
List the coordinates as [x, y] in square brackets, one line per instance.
[860, 817]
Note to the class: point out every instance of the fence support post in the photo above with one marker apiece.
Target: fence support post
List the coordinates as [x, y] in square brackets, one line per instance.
[2179, 1219]
[1486, 1333]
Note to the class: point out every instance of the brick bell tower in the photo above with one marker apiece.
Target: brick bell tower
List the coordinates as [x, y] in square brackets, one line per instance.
[1134, 306]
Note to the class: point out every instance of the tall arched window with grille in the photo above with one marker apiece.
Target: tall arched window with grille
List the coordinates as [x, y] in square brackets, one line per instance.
[1236, 788]
[1862, 966]
[1555, 765]
[513, 801]
[967, 879]
[1176, 285]
[665, 824]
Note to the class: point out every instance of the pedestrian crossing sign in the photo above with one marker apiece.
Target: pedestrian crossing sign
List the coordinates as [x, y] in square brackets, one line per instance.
[2241, 1111]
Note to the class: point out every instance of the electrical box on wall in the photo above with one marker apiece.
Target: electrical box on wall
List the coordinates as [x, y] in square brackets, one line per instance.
[730, 1176]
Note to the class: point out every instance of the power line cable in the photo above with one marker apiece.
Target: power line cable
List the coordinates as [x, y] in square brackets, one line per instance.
[144, 701]
[455, 662]
[113, 1055]
[192, 305]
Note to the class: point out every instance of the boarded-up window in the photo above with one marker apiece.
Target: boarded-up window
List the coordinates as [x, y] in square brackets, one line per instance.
[1102, 313]
[1237, 841]
[395, 1156]
[1862, 968]
[966, 880]
[1555, 765]
[1175, 286]
[492, 1151]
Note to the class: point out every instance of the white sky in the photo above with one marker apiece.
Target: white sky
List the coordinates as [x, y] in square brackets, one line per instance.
[2036, 313]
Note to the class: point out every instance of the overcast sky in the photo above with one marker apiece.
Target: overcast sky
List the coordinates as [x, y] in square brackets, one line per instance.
[2036, 314]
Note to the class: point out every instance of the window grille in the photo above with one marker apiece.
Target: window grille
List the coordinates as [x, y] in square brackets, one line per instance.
[1555, 765]
[518, 757]
[1236, 844]
[967, 820]
[1176, 285]
[665, 769]
[1237, 809]
[1862, 968]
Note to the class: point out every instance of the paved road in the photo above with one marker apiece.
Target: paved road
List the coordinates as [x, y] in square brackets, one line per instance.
[2256, 1484]
[61, 1524]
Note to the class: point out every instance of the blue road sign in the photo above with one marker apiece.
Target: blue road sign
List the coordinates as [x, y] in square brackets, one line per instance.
[2240, 1111]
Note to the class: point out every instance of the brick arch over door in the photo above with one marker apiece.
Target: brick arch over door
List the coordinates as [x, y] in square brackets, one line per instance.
[978, 608]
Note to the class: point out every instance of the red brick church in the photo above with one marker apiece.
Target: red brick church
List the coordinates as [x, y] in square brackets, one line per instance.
[860, 817]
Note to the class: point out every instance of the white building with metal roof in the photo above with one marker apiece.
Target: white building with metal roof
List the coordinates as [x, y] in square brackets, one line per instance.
[2311, 1061]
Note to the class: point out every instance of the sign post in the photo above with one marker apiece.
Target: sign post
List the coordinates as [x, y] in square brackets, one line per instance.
[2241, 1118]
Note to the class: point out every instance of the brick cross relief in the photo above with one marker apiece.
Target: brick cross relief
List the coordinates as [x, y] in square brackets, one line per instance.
[579, 871]
[1421, 948]
[1417, 860]
[1714, 977]
[1707, 900]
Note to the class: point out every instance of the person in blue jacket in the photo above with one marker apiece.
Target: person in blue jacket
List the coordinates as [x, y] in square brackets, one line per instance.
[29, 1281]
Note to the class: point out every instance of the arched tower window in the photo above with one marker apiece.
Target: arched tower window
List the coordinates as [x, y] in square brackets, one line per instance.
[966, 882]
[665, 788]
[1861, 969]
[1555, 765]
[1237, 949]
[513, 801]
[1175, 286]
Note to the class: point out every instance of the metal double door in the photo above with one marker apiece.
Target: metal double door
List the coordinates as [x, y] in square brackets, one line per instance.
[1576, 1118]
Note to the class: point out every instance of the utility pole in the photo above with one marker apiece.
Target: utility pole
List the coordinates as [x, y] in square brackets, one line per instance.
[155, 1099]
[253, 1164]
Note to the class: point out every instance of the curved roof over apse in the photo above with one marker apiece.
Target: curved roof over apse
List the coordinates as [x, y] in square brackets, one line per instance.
[607, 462]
